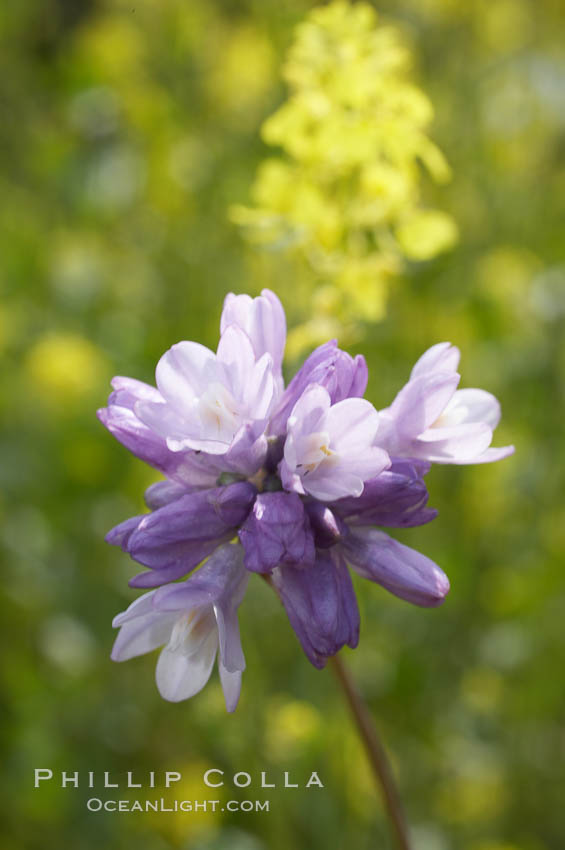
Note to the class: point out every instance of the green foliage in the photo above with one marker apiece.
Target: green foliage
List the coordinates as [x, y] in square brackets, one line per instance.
[128, 131]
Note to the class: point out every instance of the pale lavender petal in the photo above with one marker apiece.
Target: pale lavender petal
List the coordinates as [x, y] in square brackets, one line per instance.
[351, 422]
[165, 422]
[420, 402]
[231, 686]
[139, 608]
[260, 388]
[119, 418]
[269, 333]
[236, 311]
[231, 653]
[489, 456]
[183, 373]
[236, 355]
[343, 475]
[277, 531]
[310, 408]
[442, 357]
[472, 405]
[328, 485]
[399, 569]
[142, 634]
[262, 319]
[220, 584]
[180, 676]
[127, 391]
[462, 443]
[321, 605]
[192, 470]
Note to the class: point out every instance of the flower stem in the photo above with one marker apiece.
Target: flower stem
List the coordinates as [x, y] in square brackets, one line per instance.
[375, 752]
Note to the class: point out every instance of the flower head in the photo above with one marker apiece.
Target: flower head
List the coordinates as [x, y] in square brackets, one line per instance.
[304, 477]
[431, 419]
[193, 620]
[329, 451]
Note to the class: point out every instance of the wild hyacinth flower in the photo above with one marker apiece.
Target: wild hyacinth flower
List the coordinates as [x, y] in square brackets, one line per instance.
[305, 478]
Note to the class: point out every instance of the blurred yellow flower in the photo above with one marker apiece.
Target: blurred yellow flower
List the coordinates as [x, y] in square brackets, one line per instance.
[243, 70]
[292, 725]
[65, 368]
[180, 827]
[344, 198]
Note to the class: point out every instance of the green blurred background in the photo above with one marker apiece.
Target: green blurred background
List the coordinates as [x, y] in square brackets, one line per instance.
[128, 129]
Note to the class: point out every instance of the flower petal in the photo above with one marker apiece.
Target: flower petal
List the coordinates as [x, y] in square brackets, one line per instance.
[442, 357]
[165, 422]
[262, 319]
[341, 375]
[277, 531]
[236, 355]
[231, 686]
[220, 581]
[351, 423]
[165, 536]
[180, 676]
[163, 493]
[420, 402]
[461, 443]
[121, 534]
[399, 569]
[231, 653]
[142, 634]
[491, 455]
[192, 555]
[395, 498]
[138, 438]
[470, 406]
[183, 373]
[327, 526]
[321, 605]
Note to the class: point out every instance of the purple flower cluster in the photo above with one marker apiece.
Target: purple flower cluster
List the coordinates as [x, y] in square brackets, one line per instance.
[303, 477]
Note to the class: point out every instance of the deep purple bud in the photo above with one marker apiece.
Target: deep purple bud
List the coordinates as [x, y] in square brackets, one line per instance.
[321, 605]
[277, 531]
[396, 498]
[175, 538]
[340, 374]
[401, 570]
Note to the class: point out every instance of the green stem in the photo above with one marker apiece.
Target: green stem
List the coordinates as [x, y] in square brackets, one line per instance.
[375, 753]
